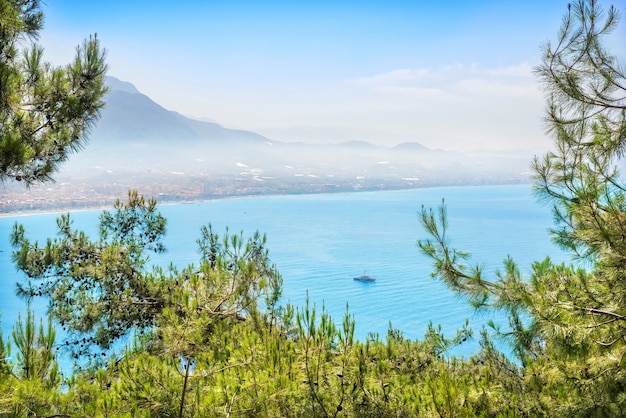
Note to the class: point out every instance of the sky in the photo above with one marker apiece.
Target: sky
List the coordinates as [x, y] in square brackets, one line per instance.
[454, 75]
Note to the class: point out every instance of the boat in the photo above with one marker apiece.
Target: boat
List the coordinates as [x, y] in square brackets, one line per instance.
[364, 278]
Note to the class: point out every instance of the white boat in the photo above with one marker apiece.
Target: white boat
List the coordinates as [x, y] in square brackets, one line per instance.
[364, 278]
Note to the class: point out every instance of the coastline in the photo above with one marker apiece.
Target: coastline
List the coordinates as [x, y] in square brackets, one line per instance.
[86, 206]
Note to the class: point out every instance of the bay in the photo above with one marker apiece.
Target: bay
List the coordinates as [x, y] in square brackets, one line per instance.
[320, 242]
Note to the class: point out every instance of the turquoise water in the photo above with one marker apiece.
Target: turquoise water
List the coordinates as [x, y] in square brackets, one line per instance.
[319, 242]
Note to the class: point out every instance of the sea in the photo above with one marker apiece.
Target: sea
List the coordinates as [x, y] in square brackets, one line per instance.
[319, 242]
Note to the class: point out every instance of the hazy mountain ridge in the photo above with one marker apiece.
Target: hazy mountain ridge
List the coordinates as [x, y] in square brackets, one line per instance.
[138, 144]
[132, 116]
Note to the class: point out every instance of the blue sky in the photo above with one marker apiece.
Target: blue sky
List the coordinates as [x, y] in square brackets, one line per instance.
[448, 74]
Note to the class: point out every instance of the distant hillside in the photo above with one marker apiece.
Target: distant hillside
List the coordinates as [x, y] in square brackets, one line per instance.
[410, 146]
[132, 116]
[140, 145]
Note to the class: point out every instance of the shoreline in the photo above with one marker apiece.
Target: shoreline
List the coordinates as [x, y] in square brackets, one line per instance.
[100, 207]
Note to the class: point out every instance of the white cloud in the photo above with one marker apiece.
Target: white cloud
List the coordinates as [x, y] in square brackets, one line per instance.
[455, 107]
[458, 106]
[455, 80]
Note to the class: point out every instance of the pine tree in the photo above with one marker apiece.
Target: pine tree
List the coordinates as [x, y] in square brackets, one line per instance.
[99, 290]
[568, 322]
[46, 112]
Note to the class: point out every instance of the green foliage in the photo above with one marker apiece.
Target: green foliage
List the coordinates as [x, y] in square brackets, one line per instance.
[46, 112]
[98, 289]
[567, 324]
[213, 340]
[31, 380]
[35, 350]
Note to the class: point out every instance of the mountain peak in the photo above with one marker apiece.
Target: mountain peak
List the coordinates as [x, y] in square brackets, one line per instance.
[131, 116]
[116, 84]
[410, 146]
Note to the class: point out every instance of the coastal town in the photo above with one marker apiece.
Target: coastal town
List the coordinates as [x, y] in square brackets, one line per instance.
[71, 193]
[81, 195]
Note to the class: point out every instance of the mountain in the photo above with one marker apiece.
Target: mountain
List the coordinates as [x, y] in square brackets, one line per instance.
[140, 145]
[410, 147]
[132, 116]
